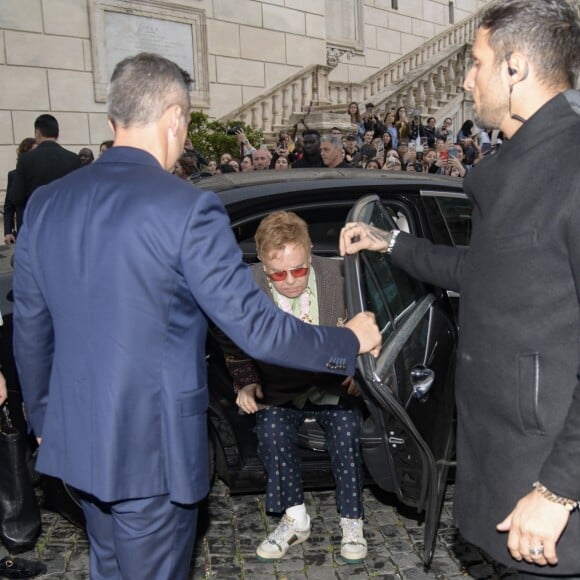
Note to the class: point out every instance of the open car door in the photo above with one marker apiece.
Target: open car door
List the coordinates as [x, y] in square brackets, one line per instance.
[407, 439]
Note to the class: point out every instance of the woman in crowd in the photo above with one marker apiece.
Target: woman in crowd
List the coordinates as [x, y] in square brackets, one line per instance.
[212, 166]
[465, 131]
[281, 163]
[185, 168]
[389, 123]
[374, 164]
[392, 163]
[356, 119]
[246, 164]
[388, 144]
[235, 164]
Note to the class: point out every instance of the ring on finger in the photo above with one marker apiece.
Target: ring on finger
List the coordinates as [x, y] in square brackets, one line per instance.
[536, 551]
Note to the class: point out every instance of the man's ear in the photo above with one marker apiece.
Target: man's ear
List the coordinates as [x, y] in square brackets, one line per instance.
[517, 67]
[174, 118]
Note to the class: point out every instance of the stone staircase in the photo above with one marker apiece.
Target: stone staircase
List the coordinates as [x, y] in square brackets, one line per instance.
[428, 78]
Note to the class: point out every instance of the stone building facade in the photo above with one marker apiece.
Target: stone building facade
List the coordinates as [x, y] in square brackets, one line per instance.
[56, 55]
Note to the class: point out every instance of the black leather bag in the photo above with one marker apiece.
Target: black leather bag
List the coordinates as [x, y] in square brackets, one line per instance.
[19, 511]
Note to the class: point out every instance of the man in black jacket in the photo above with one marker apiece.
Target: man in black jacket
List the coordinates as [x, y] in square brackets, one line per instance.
[517, 385]
[311, 148]
[47, 162]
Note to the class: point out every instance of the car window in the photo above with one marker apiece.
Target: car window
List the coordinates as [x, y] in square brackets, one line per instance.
[324, 225]
[390, 292]
[450, 218]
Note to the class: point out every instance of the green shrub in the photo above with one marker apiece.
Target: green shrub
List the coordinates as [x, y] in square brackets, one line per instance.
[210, 138]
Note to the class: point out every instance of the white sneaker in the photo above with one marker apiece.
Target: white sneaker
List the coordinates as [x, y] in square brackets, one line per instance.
[281, 539]
[353, 547]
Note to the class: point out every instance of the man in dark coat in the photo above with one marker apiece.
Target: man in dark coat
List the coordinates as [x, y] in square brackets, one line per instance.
[518, 393]
[47, 162]
[110, 326]
[332, 152]
[311, 148]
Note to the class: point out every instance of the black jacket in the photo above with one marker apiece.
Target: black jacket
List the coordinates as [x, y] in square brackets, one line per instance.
[517, 386]
[40, 166]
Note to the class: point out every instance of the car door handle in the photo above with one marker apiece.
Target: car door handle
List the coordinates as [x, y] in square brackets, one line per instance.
[422, 378]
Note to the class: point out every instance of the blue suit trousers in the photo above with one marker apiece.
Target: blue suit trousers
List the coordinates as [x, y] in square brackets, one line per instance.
[148, 538]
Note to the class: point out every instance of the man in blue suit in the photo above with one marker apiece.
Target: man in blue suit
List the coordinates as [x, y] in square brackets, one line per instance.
[110, 326]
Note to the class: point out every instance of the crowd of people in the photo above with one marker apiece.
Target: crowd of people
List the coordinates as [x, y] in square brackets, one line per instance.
[393, 144]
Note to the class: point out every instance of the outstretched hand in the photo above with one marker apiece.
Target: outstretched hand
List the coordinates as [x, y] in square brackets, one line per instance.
[356, 236]
[364, 326]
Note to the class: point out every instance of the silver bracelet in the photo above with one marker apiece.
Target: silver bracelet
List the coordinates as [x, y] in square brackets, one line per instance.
[568, 503]
[392, 240]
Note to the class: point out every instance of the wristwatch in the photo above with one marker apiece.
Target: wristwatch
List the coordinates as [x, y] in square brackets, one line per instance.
[392, 239]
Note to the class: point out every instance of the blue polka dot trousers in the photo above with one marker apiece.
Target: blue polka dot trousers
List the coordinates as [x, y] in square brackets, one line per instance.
[277, 431]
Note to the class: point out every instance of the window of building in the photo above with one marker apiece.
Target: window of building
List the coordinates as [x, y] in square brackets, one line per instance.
[395, 4]
[451, 12]
[344, 20]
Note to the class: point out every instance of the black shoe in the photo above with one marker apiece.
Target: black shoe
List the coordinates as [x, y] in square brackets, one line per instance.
[20, 569]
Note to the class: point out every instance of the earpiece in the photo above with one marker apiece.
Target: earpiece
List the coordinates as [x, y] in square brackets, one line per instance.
[511, 71]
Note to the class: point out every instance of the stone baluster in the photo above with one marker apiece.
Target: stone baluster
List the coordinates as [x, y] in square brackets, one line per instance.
[254, 123]
[440, 93]
[314, 98]
[323, 85]
[401, 102]
[296, 97]
[430, 92]
[450, 77]
[266, 111]
[306, 91]
[276, 112]
[421, 99]
[285, 105]
[411, 102]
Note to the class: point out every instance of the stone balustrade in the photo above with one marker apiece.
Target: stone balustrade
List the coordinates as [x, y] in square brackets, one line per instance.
[300, 92]
[426, 78]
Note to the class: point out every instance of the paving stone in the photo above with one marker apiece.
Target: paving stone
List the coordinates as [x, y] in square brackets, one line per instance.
[234, 526]
[407, 560]
[322, 573]
[318, 558]
[293, 561]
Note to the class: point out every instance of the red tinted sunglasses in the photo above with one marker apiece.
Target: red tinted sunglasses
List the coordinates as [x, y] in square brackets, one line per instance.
[280, 276]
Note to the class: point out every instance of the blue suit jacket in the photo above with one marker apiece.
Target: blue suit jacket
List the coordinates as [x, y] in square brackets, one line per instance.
[117, 266]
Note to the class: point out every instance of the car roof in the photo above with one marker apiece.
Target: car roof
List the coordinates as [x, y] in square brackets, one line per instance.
[245, 186]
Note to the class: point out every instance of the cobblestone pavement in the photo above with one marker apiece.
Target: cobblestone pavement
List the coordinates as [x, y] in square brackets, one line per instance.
[226, 551]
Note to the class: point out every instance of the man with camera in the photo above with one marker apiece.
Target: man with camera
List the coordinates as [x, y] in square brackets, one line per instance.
[371, 121]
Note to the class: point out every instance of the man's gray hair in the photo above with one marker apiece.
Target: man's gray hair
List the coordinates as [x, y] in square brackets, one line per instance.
[143, 87]
[334, 140]
[545, 31]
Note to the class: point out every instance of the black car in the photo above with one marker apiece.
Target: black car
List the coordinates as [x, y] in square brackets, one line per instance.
[407, 405]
